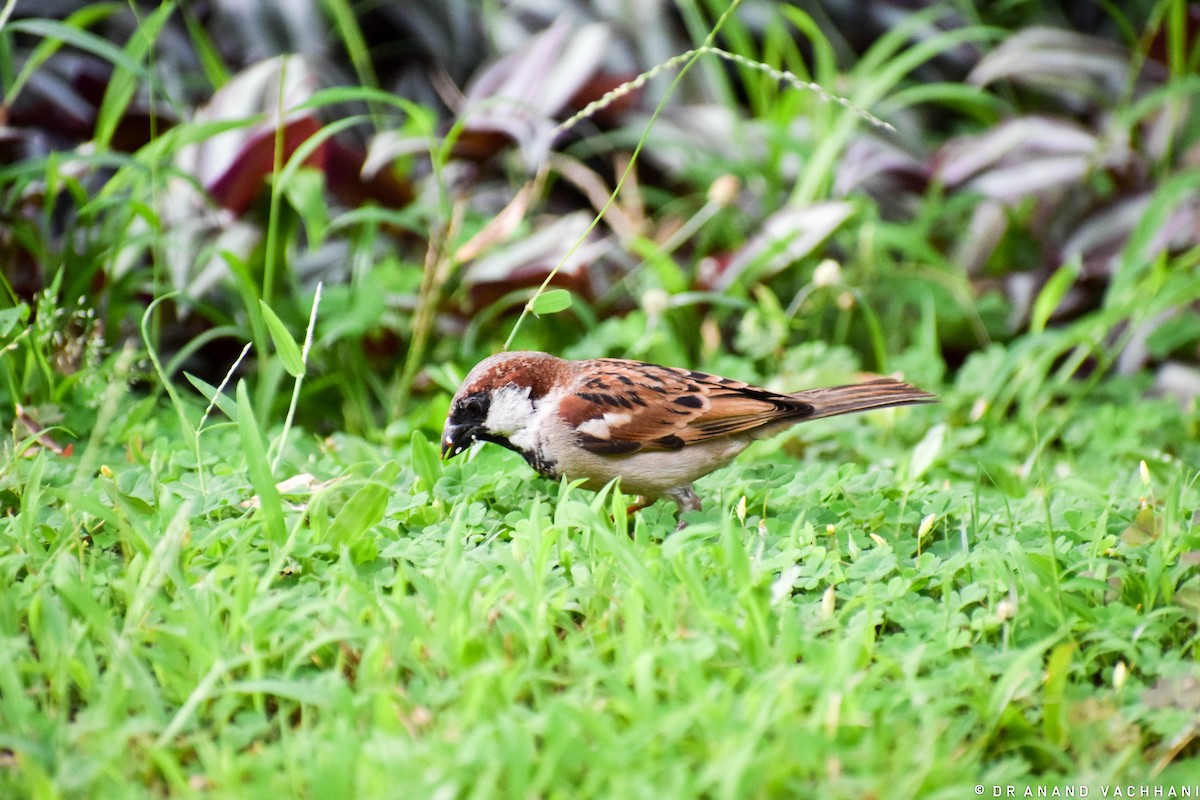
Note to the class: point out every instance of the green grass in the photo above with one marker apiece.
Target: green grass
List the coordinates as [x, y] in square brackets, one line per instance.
[288, 594]
[903, 604]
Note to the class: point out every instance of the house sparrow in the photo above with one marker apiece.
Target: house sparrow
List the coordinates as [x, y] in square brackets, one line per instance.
[656, 428]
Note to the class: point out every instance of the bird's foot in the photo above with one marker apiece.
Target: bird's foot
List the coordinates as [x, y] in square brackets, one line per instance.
[687, 500]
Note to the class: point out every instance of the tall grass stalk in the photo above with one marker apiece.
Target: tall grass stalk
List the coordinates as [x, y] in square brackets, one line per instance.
[281, 442]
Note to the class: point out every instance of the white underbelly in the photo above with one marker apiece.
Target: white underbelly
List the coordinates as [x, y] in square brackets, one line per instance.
[653, 473]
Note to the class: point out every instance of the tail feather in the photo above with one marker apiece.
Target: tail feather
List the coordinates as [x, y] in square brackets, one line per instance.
[881, 393]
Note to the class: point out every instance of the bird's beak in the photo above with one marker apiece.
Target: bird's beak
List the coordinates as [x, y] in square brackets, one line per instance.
[456, 438]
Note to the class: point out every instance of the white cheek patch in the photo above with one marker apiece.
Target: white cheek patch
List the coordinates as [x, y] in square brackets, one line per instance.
[510, 411]
[601, 427]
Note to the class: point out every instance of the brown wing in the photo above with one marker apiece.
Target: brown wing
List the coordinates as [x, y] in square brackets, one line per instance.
[621, 407]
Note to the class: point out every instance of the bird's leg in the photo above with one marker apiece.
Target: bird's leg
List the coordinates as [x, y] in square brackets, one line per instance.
[687, 500]
[637, 505]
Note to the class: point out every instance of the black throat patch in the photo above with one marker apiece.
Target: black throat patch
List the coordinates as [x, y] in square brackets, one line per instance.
[543, 466]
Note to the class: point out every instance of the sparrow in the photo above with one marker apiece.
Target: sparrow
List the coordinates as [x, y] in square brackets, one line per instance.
[656, 428]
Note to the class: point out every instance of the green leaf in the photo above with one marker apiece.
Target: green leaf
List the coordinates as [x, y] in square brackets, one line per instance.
[425, 461]
[285, 345]
[365, 507]
[1054, 716]
[305, 191]
[926, 452]
[1023, 668]
[259, 467]
[223, 401]
[315, 692]
[207, 53]
[71, 31]
[1052, 294]
[1140, 251]
[551, 302]
[88, 504]
[873, 565]
[424, 121]
[123, 83]
[67, 33]
[1173, 334]
[10, 318]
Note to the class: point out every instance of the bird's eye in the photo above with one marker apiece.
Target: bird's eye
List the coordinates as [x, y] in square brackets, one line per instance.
[475, 405]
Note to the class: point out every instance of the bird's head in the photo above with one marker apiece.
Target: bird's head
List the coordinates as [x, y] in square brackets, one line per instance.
[497, 400]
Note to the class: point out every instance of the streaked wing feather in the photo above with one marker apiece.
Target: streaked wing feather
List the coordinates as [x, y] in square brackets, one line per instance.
[626, 406]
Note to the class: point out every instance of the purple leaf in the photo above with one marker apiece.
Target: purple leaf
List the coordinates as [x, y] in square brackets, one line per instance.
[518, 96]
[786, 236]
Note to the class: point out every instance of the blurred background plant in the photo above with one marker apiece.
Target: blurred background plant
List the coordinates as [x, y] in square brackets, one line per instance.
[221, 218]
[1039, 187]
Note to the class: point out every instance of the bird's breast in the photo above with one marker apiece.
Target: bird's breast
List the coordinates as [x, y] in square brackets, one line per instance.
[540, 441]
[542, 463]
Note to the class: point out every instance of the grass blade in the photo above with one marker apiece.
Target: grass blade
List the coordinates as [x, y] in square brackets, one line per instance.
[365, 507]
[254, 445]
[285, 345]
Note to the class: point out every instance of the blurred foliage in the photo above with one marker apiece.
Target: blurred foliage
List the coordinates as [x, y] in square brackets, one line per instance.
[323, 213]
[1039, 186]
